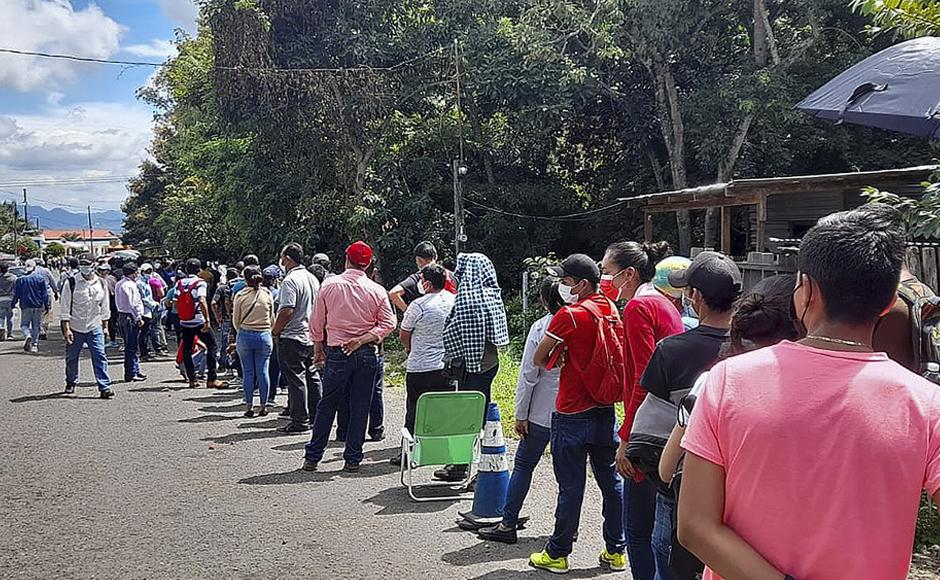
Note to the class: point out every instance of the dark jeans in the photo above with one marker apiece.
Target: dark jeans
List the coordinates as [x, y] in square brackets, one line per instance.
[528, 455]
[302, 379]
[376, 412]
[639, 514]
[113, 329]
[143, 336]
[575, 439]
[662, 536]
[417, 384]
[482, 383]
[189, 338]
[349, 378]
[131, 343]
[274, 374]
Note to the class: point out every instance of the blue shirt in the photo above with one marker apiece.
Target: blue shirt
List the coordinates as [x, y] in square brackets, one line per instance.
[32, 291]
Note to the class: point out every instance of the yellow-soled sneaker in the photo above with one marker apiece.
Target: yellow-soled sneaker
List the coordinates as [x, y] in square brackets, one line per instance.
[543, 561]
[614, 562]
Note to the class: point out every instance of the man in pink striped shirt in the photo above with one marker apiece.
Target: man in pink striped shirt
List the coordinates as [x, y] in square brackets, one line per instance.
[351, 317]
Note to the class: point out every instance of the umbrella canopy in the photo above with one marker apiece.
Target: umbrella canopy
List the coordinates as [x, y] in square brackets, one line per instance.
[897, 89]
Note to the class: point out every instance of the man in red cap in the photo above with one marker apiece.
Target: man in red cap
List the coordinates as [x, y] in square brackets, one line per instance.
[351, 317]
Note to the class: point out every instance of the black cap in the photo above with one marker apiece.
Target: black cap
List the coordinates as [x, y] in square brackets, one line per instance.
[577, 266]
[129, 268]
[713, 274]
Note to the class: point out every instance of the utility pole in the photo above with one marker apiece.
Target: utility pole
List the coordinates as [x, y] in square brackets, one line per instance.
[459, 167]
[16, 239]
[25, 211]
[91, 233]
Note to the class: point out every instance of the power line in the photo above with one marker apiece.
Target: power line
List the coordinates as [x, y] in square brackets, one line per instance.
[358, 67]
[38, 182]
[580, 216]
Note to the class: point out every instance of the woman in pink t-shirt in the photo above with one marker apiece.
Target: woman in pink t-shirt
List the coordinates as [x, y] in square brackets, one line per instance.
[648, 318]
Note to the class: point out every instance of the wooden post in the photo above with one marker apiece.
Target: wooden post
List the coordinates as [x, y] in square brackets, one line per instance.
[761, 222]
[726, 230]
[647, 227]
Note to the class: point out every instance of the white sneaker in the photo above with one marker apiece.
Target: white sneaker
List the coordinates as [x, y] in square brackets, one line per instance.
[34, 348]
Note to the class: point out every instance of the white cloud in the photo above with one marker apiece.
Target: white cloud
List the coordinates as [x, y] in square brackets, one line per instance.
[180, 11]
[159, 49]
[89, 140]
[52, 26]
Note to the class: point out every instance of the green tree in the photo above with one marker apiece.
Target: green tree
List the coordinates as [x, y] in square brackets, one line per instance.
[909, 18]
[55, 250]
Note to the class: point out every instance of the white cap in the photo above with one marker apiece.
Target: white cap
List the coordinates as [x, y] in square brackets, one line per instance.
[30, 265]
[146, 267]
[933, 367]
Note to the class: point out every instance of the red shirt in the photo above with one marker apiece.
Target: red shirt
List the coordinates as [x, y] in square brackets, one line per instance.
[576, 328]
[647, 319]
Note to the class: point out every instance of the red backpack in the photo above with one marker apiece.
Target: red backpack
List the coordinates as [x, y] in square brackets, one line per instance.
[185, 304]
[604, 374]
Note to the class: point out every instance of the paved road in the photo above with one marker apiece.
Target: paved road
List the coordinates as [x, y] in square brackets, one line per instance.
[167, 482]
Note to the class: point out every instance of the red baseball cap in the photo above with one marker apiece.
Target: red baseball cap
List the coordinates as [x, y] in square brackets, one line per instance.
[359, 253]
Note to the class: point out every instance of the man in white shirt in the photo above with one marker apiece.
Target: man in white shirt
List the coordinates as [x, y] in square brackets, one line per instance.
[84, 314]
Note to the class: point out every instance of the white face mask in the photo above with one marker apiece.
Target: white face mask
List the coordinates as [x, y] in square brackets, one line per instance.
[87, 271]
[567, 294]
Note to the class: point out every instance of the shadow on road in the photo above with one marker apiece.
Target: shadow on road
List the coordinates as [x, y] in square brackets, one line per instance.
[207, 419]
[494, 552]
[219, 397]
[299, 446]
[395, 501]
[163, 388]
[532, 572]
[265, 424]
[222, 408]
[247, 436]
[47, 397]
[288, 478]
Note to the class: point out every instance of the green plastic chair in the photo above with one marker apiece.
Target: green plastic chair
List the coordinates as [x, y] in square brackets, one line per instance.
[448, 430]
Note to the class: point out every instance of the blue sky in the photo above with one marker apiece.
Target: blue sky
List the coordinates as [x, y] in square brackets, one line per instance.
[69, 120]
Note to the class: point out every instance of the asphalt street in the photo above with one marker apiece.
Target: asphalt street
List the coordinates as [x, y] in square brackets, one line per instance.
[168, 482]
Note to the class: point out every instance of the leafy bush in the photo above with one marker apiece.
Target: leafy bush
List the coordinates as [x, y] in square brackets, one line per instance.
[928, 524]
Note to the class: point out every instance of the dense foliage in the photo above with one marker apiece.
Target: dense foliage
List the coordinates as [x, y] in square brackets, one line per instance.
[325, 121]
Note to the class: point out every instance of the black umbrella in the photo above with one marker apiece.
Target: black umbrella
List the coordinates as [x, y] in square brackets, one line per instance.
[897, 89]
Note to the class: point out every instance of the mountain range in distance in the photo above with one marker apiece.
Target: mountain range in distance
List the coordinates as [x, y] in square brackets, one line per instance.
[60, 219]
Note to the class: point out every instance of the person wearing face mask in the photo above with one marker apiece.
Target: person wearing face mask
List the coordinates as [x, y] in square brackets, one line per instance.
[584, 425]
[130, 307]
[648, 318]
[83, 315]
[711, 284]
[412, 288]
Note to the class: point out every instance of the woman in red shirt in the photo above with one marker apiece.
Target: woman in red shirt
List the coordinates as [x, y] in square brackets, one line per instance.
[648, 317]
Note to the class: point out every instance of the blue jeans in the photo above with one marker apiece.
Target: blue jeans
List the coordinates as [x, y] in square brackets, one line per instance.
[639, 514]
[30, 322]
[345, 378]
[528, 455]
[254, 349]
[131, 343]
[376, 427]
[575, 439]
[6, 318]
[662, 536]
[94, 338]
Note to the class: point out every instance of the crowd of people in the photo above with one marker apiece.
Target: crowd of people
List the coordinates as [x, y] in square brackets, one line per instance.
[780, 431]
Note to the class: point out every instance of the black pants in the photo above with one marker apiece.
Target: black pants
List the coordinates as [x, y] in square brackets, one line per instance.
[208, 339]
[143, 338]
[304, 388]
[417, 384]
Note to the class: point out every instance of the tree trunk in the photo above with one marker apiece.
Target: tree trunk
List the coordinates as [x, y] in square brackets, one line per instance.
[673, 129]
[725, 174]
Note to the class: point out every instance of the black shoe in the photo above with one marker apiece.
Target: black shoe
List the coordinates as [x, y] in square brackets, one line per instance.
[263, 412]
[284, 413]
[294, 428]
[69, 389]
[43, 337]
[377, 437]
[106, 394]
[249, 414]
[308, 466]
[396, 461]
[451, 473]
[27, 344]
[498, 534]
[351, 468]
